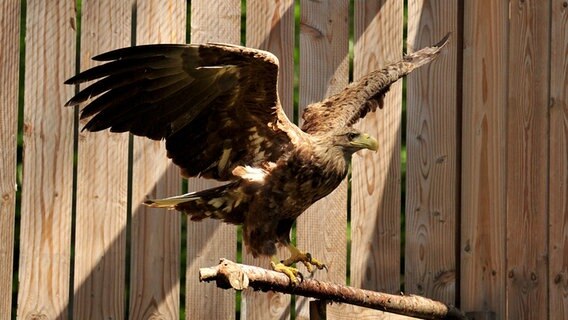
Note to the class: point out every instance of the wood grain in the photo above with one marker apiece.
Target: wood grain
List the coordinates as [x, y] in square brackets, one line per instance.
[47, 187]
[483, 158]
[348, 312]
[209, 240]
[432, 186]
[270, 26]
[9, 62]
[154, 283]
[102, 173]
[558, 224]
[527, 155]
[324, 70]
[376, 198]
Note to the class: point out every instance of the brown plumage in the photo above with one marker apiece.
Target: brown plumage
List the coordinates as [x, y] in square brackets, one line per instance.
[217, 107]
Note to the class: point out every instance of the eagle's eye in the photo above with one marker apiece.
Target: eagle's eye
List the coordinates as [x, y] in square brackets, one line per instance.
[352, 135]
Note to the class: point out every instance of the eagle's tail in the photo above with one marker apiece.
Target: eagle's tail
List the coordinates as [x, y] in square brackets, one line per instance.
[225, 203]
[171, 202]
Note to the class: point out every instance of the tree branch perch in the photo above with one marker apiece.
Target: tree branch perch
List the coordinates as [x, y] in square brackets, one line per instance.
[238, 276]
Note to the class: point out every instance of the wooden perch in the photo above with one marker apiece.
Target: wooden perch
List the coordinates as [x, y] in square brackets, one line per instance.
[238, 276]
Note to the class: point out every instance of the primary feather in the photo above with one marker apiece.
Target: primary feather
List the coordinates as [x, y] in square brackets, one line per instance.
[218, 110]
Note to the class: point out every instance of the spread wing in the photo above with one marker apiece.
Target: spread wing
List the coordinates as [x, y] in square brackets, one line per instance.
[356, 100]
[215, 105]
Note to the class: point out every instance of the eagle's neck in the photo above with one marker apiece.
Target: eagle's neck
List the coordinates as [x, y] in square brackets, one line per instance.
[328, 166]
[314, 169]
[332, 159]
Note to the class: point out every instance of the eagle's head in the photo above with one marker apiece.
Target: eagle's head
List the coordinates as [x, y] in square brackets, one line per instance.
[352, 140]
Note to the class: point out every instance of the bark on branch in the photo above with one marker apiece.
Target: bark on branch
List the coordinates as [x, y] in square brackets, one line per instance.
[238, 276]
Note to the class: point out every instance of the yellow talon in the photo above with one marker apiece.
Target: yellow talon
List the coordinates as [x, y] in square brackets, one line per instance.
[291, 272]
[298, 256]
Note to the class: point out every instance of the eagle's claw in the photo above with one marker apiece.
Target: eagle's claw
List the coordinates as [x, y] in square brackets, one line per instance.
[314, 262]
[304, 257]
[291, 272]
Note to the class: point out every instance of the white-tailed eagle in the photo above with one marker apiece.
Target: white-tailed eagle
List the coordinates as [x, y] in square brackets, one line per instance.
[217, 108]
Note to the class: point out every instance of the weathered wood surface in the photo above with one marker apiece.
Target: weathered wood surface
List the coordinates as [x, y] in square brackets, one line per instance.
[324, 70]
[483, 206]
[47, 186]
[558, 223]
[208, 240]
[9, 70]
[230, 275]
[102, 173]
[154, 284]
[527, 156]
[376, 197]
[270, 26]
[511, 148]
[432, 185]
[342, 311]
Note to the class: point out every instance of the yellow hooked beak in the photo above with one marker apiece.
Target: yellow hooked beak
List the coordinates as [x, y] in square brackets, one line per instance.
[365, 141]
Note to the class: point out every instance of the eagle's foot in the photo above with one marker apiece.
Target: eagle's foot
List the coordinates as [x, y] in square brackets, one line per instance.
[292, 273]
[305, 257]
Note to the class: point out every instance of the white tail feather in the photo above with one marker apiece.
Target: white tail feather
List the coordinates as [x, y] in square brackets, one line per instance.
[170, 202]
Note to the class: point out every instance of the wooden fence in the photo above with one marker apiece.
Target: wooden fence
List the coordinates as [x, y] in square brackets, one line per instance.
[486, 134]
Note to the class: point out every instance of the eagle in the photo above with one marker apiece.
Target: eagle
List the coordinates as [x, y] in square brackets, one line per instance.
[217, 108]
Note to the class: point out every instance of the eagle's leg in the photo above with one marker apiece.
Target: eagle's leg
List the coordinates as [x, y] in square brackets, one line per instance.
[306, 258]
[291, 272]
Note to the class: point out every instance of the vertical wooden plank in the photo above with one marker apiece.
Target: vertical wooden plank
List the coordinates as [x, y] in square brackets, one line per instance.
[270, 26]
[209, 240]
[432, 186]
[348, 312]
[9, 62]
[102, 173]
[318, 310]
[527, 156]
[483, 158]
[558, 224]
[375, 222]
[154, 285]
[45, 236]
[324, 65]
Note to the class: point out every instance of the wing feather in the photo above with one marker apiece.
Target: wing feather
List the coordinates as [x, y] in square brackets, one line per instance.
[356, 100]
[206, 101]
